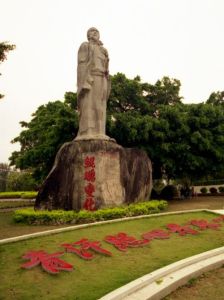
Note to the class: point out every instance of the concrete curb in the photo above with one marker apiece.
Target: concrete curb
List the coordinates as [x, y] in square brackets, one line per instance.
[75, 227]
[158, 284]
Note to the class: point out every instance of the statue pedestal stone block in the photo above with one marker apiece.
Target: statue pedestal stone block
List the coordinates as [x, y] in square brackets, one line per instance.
[93, 174]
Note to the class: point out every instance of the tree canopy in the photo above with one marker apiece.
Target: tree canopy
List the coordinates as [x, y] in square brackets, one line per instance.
[51, 126]
[216, 98]
[181, 140]
[4, 49]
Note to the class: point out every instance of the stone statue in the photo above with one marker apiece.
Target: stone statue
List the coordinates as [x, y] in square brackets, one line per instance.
[93, 171]
[93, 87]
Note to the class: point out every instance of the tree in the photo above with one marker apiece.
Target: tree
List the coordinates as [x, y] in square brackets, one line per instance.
[51, 126]
[20, 181]
[4, 170]
[182, 140]
[164, 92]
[4, 49]
[133, 95]
[127, 95]
[206, 142]
[216, 98]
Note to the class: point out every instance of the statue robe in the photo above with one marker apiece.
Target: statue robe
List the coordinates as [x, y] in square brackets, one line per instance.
[93, 89]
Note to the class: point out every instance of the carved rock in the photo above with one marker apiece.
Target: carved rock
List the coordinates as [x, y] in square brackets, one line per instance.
[119, 175]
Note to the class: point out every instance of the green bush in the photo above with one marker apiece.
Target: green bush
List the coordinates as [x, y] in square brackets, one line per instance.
[169, 192]
[204, 190]
[30, 216]
[22, 194]
[10, 195]
[221, 189]
[20, 181]
[28, 195]
[213, 190]
[154, 194]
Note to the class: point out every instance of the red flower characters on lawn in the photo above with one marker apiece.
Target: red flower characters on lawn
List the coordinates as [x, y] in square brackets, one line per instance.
[52, 264]
[49, 262]
[80, 248]
[218, 219]
[122, 241]
[203, 224]
[182, 230]
[156, 234]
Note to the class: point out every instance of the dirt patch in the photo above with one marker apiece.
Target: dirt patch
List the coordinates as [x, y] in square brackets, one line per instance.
[208, 286]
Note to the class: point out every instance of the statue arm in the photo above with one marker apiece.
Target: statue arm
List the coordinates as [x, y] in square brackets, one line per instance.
[84, 80]
[107, 72]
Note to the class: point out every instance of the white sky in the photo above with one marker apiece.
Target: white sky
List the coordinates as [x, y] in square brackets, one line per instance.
[181, 39]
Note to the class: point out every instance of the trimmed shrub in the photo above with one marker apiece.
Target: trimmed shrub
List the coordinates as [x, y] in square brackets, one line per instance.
[221, 189]
[28, 195]
[23, 195]
[30, 216]
[213, 190]
[20, 181]
[154, 194]
[15, 204]
[169, 192]
[204, 190]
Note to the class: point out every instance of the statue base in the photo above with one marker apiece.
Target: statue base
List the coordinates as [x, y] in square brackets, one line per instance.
[95, 173]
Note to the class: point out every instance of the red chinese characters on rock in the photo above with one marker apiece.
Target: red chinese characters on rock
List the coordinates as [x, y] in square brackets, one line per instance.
[82, 246]
[49, 262]
[122, 241]
[89, 162]
[89, 177]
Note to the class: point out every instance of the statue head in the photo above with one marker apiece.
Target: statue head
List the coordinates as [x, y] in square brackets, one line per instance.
[93, 34]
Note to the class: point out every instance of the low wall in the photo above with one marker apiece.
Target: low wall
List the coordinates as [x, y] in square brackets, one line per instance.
[197, 188]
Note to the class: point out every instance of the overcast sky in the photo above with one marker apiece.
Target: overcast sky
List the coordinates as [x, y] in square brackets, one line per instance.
[181, 39]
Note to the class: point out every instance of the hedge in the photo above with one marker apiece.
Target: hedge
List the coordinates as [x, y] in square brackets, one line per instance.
[15, 204]
[56, 217]
[23, 195]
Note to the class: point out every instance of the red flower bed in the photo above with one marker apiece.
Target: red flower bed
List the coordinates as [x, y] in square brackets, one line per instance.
[121, 241]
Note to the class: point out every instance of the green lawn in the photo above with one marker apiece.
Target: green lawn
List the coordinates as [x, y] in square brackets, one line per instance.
[92, 279]
[8, 228]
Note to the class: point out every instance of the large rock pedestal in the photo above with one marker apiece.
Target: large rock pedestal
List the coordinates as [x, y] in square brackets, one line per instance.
[95, 173]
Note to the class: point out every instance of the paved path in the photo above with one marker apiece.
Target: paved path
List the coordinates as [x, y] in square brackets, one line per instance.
[206, 202]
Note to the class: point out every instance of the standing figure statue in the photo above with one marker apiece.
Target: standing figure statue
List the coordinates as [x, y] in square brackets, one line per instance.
[93, 87]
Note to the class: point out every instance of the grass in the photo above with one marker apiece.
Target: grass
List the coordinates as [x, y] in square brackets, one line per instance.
[10, 229]
[92, 279]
